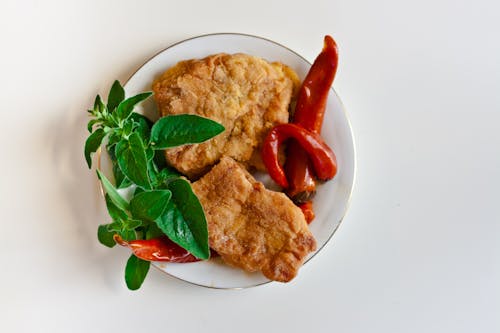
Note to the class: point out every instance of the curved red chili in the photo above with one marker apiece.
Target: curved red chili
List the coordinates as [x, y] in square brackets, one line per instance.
[322, 157]
[309, 113]
[157, 249]
[313, 94]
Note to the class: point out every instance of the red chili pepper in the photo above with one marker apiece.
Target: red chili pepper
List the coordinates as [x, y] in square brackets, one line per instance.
[302, 184]
[307, 210]
[322, 157]
[309, 113]
[157, 249]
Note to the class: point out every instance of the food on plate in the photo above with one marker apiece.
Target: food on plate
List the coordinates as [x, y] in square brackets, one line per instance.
[251, 227]
[322, 158]
[156, 249]
[308, 210]
[246, 94]
[187, 191]
[309, 112]
[161, 203]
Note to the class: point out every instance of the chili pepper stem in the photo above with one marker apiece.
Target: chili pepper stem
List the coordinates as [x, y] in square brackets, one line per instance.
[119, 240]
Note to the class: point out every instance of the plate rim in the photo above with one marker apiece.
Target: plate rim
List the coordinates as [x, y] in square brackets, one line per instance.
[342, 106]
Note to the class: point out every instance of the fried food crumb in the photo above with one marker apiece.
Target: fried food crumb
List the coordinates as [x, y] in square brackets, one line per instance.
[251, 227]
[246, 94]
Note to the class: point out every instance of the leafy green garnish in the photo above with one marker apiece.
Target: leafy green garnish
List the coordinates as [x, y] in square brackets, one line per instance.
[116, 96]
[120, 179]
[177, 130]
[184, 222]
[93, 143]
[163, 202]
[114, 211]
[105, 236]
[135, 272]
[150, 205]
[112, 192]
[125, 108]
[131, 156]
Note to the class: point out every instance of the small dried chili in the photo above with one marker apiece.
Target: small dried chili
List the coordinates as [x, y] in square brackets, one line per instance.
[322, 157]
[157, 249]
[309, 113]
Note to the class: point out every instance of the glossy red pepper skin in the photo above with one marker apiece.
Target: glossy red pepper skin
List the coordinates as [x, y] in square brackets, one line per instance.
[157, 249]
[313, 94]
[322, 157]
[300, 175]
[309, 113]
[307, 210]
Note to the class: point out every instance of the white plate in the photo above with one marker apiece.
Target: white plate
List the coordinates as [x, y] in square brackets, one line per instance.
[332, 198]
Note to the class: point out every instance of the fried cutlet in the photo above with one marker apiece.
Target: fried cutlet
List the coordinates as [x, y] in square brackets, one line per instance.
[246, 94]
[251, 227]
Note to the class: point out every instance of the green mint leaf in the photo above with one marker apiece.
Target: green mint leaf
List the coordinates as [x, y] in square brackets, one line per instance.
[149, 205]
[111, 149]
[120, 179]
[150, 153]
[116, 226]
[184, 221]
[165, 175]
[116, 213]
[111, 191]
[105, 237]
[131, 224]
[142, 125]
[135, 272]
[128, 126]
[113, 139]
[128, 235]
[161, 179]
[99, 106]
[125, 108]
[153, 231]
[177, 130]
[138, 190]
[124, 183]
[141, 118]
[123, 229]
[93, 143]
[116, 96]
[153, 174]
[152, 168]
[131, 158]
[91, 124]
[160, 160]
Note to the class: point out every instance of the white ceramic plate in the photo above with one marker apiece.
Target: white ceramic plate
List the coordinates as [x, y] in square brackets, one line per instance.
[332, 198]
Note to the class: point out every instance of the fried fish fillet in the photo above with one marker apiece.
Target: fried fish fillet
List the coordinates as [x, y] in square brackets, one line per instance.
[246, 94]
[251, 227]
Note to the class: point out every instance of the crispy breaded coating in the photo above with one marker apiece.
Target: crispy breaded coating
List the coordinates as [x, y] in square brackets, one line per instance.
[251, 227]
[246, 94]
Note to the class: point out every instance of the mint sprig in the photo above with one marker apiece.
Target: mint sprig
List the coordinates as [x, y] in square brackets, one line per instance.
[163, 202]
[135, 272]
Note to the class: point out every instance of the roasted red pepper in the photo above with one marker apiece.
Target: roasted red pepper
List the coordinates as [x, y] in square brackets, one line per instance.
[309, 113]
[157, 249]
[307, 210]
[322, 157]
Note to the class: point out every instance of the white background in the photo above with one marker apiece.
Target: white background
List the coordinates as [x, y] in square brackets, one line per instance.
[419, 250]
